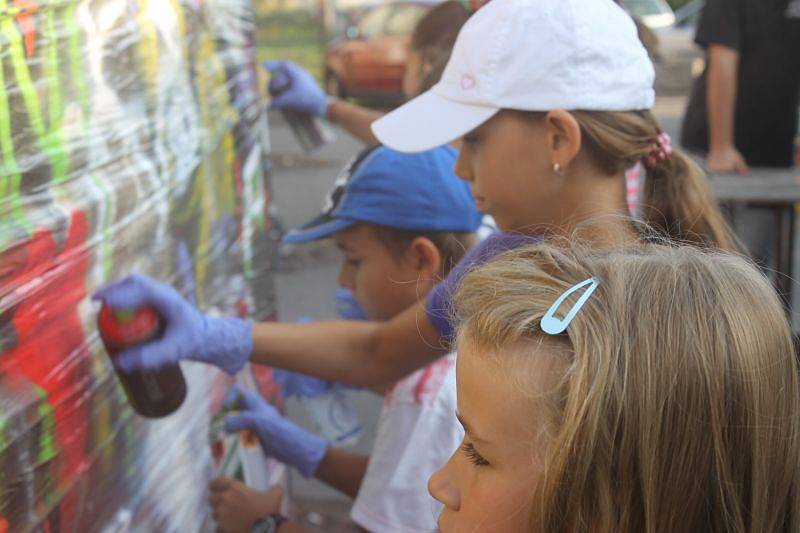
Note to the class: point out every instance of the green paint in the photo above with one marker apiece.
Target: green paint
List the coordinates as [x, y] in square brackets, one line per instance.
[124, 315]
[47, 448]
[11, 179]
[49, 142]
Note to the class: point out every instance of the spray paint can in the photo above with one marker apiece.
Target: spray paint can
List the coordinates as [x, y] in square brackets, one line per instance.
[310, 131]
[151, 393]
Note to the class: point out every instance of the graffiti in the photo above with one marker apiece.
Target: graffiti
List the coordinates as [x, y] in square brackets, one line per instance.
[131, 138]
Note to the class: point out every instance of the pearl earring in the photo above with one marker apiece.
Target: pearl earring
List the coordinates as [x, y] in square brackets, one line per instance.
[557, 169]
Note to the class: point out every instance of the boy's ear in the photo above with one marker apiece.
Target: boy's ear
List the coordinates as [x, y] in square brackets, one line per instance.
[426, 256]
[563, 137]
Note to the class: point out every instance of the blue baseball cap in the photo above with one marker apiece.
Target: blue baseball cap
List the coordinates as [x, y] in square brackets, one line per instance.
[403, 191]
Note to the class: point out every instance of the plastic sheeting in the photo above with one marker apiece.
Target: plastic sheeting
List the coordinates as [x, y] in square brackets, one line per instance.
[132, 137]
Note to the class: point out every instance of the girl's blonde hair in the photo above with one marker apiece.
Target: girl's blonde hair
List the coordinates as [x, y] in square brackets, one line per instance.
[677, 199]
[679, 406]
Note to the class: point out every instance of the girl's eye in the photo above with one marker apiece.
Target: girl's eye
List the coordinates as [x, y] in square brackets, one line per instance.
[469, 139]
[353, 262]
[473, 454]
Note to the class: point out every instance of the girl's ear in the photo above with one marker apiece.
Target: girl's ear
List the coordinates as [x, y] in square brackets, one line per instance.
[563, 137]
[426, 257]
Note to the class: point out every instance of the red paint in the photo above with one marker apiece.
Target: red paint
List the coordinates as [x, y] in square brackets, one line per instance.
[51, 349]
[25, 22]
[120, 330]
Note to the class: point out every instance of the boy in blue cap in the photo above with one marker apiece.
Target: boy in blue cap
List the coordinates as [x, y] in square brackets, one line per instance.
[401, 221]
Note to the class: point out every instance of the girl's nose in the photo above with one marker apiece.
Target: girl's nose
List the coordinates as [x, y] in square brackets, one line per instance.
[345, 279]
[441, 488]
[463, 167]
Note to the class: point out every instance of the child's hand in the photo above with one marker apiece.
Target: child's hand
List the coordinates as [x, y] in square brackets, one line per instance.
[726, 159]
[300, 385]
[235, 506]
[279, 438]
[188, 334]
[293, 87]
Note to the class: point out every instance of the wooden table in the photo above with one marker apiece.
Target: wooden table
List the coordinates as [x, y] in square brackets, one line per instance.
[779, 191]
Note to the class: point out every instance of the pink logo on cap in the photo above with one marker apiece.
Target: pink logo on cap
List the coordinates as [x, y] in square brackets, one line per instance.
[468, 82]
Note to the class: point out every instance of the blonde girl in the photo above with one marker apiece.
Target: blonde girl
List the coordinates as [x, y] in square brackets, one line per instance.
[660, 396]
[551, 99]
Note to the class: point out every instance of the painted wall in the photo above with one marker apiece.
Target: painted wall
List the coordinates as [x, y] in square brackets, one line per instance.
[132, 137]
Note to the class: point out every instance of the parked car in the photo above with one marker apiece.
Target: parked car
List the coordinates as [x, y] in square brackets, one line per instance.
[369, 60]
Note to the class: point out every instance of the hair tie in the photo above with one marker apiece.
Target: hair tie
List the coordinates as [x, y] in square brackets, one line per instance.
[659, 152]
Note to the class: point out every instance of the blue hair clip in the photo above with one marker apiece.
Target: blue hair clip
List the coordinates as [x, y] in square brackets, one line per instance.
[552, 325]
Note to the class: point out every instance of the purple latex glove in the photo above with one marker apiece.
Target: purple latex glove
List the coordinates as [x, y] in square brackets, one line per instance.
[300, 385]
[280, 438]
[294, 88]
[347, 306]
[188, 334]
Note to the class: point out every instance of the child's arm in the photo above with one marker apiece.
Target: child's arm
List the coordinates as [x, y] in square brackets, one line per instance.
[355, 119]
[237, 507]
[723, 65]
[304, 95]
[353, 352]
[343, 470]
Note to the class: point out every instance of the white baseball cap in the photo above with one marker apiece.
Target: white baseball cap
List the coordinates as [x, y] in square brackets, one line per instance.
[529, 55]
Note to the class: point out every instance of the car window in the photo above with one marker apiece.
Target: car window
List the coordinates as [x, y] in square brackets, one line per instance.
[373, 23]
[404, 18]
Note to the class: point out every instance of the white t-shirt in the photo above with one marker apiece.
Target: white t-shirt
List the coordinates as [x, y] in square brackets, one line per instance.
[417, 433]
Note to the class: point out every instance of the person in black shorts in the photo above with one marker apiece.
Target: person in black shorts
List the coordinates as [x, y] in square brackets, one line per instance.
[743, 110]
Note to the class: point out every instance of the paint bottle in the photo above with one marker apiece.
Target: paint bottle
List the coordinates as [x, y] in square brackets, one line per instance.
[151, 393]
[310, 131]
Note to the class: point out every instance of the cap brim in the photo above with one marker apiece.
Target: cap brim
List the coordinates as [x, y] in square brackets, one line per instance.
[321, 227]
[429, 121]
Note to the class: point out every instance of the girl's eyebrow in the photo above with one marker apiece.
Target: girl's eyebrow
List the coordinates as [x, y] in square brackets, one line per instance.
[471, 433]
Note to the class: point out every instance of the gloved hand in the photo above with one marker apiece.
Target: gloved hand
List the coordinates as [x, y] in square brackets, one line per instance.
[294, 88]
[280, 438]
[300, 385]
[188, 334]
[347, 306]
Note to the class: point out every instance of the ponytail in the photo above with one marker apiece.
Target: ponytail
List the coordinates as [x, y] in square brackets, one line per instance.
[678, 202]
